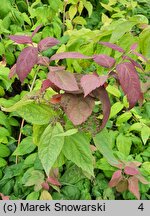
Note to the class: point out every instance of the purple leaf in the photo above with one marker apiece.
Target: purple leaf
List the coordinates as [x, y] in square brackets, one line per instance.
[43, 60]
[136, 64]
[64, 55]
[26, 61]
[36, 30]
[116, 178]
[47, 43]
[56, 68]
[77, 108]
[139, 55]
[134, 187]
[104, 60]
[102, 95]
[112, 46]
[21, 39]
[113, 74]
[131, 170]
[91, 82]
[134, 46]
[46, 84]
[63, 80]
[129, 82]
[12, 71]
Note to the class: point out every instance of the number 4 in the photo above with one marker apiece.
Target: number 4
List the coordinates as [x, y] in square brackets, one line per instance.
[141, 207]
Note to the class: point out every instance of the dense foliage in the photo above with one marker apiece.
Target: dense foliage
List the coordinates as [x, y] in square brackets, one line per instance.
[74, 98]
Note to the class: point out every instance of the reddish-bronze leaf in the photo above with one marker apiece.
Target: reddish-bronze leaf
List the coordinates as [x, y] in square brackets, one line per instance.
[134, 46]
[56, 99]
[122, 185]
[12, 71]
[90, 82]
[112, 46]
[26, 61]
[130, 170]
[77, 108]
[56, 68]
[43, 60]
[133, 186]
[101, 94]
[136, 64]
[133, 164]
[142, 179]
[21, 39]
[65, 55]
[104, 60]
[63, 80]
[53, 181]
[4, 197]
[47, 43]
[45, 186]
[36, 30]
[129, 82]
[116, 178]
[46, 84]
[139, 55]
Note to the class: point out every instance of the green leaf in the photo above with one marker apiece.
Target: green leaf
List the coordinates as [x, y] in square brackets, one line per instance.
[2, 49]
[33, 196]
[146, 166]
[29, 161]
[67, 133]
[104, 165]
[136, 126]
[36, 113]
[145, 133]
[102, 141]
[37, 132]
[72, 11]
[45, 195]
[89, 7]
[80, 7]
[50, 146]
[77, 149]
[32, 111]
[33, 178]
[2, 162]
[107, 7]
[79, 20]
[72, 175]
[116, 108]
[12, 170]
[26, 18]
[25, 147]
[144, 40]
[4, 132]
[4, 72]
[124, 144]
[114, 91]
[18, 105]
[121, 29]
[123, 118]
[60, 161]
[4, 151]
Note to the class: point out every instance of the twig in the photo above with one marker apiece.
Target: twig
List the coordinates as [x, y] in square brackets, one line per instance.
[22, 122]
